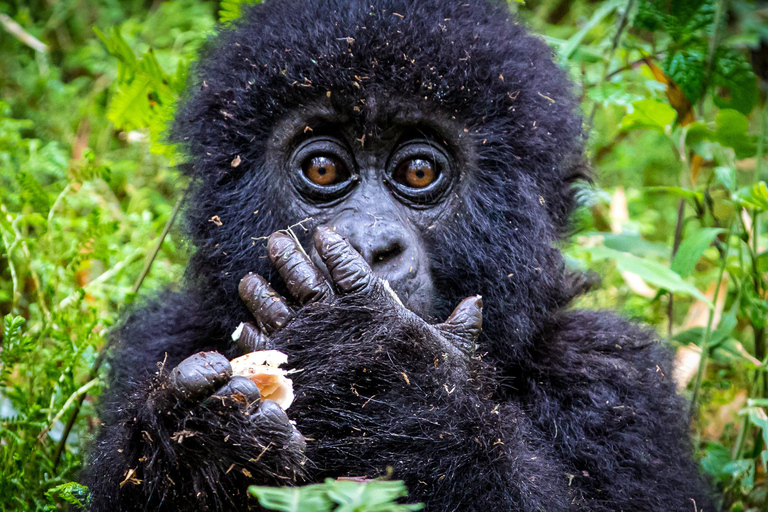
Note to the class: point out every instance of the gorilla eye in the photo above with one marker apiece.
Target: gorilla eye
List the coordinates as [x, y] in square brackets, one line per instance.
[322, 169]
[416, 173]
[420, 172]
[325, 170]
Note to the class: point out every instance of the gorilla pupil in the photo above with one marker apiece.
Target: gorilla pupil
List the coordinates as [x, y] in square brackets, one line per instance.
[324, 170]
[416, 173]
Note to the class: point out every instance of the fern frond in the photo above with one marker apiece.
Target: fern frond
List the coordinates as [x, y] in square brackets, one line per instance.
[230, 10]
[130, 108]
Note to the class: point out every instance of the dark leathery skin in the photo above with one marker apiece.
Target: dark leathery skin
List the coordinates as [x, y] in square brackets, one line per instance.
[301, 276]
[240, 385]
[267, 306]
[200, 373]
[349, 271]
[252, 339]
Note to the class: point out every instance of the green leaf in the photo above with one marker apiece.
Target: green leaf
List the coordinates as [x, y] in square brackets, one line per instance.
[726, 176]
[649, 113]
[610, 93]
[32, 193]
[72, 493]
[731, 132]
[230, 10]
[716, 457]
[336, 495]
[689, 336]
[755, 196]
[374, 496]
[742, 471]
[650, 271]
[659, 275]
[692, 248]
[309, 498]
[633, 244]
[650, 15]
[130, 109]
[734, 80]
[694, 15]
[568, 49]
[686, 69]
[685, 193]
[682, 19]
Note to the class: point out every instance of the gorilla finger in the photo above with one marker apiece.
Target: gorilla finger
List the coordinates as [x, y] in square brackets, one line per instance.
[348, 270]
[304, 280]
[252, 339]
[298, 440]
[466, 321]
[239, 385]
[199, 374]
[271, 416]
[267, 306]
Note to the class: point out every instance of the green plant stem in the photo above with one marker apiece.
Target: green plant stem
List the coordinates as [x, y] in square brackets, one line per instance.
[720, 8]
[94, 372]
[11, 267]
[32, 272]
[675, 247]
[151, 257]
[759, 386]
[708, 332]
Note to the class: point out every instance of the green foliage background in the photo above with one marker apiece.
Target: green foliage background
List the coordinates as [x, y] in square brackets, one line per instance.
[673, 91]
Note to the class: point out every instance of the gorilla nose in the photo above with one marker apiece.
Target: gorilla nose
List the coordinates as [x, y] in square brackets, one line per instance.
[381, 252]
[384, 244]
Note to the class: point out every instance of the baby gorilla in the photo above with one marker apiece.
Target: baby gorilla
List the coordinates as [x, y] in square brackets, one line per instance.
[425, 153]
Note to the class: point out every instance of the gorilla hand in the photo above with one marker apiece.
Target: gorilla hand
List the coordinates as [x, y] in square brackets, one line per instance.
[205, 379]
[349, 275]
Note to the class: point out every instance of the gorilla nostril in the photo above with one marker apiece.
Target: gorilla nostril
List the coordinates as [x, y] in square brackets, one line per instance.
[388, 253]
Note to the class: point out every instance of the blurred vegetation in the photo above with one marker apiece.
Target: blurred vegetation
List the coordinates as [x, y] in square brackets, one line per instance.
[673, 92]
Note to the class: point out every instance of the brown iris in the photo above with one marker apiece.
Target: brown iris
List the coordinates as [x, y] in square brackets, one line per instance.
[416, 173]
[325, 170]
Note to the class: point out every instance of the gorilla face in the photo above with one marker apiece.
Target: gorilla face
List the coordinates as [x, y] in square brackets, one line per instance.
[381, 184]
[442, 145]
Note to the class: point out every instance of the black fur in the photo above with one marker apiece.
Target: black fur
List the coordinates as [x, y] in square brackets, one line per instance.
[566, 410]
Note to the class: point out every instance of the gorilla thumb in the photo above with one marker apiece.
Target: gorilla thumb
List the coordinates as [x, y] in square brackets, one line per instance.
[466, 322]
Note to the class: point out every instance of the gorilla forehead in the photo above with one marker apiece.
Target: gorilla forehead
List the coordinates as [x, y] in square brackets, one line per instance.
[468, 60]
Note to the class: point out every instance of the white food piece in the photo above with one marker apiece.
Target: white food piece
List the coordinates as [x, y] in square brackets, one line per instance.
[262, 367]
[238, 332]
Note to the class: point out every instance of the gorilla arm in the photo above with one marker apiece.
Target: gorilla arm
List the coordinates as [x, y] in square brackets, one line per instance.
[602, 389]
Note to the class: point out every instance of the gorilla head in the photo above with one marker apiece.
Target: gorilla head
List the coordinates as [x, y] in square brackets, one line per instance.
[437, 136]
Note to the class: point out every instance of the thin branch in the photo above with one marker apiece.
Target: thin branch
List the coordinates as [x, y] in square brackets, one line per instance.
[22, 35]
[675, 247]
[94, 372]
[158, 245]
[80, 392]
